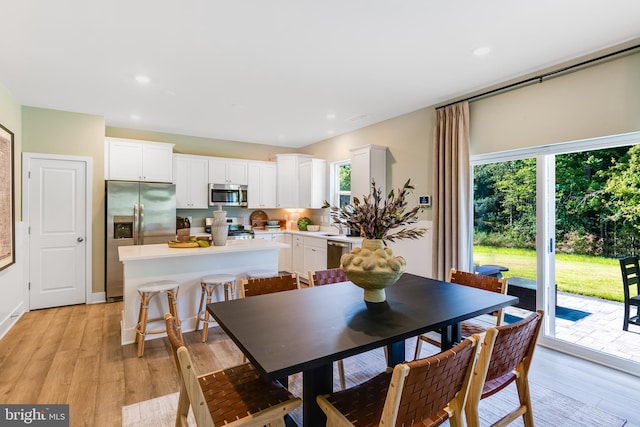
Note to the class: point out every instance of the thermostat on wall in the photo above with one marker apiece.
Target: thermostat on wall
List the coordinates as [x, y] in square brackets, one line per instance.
[424, 201]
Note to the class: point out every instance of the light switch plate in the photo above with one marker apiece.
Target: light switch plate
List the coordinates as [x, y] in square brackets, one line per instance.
[424, 201]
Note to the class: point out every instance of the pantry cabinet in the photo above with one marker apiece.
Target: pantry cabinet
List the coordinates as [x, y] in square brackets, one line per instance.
[288, 186]
[228, 171]
[312, 176]
[262, 185]
[368, 163]
[133, 160]
[191, 175]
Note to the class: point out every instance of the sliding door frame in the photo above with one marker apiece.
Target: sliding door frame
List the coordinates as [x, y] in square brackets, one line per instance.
[545, 241]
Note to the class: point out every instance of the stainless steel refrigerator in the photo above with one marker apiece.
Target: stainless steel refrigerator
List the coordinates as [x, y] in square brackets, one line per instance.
[138, 213]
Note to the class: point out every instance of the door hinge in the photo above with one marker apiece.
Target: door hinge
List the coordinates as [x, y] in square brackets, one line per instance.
[29, 175]
[29, 286]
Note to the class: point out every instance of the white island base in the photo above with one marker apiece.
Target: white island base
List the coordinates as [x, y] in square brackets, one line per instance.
[149, 263]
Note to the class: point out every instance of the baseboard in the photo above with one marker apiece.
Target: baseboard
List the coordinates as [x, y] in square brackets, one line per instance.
[97, 298]
[9, 319]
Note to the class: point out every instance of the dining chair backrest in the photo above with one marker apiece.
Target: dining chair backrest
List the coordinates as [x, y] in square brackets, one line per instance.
[505, 357]
[268, 285]
[326, 277]
[631, 283]
[423, 392]
[487, 283]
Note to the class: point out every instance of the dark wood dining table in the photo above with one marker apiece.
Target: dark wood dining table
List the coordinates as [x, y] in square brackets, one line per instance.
[306, 330]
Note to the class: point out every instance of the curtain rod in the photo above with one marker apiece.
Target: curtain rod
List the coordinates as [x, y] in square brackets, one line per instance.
[540, 77]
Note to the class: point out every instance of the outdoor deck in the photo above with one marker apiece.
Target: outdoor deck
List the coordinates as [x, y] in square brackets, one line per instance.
[601, 329]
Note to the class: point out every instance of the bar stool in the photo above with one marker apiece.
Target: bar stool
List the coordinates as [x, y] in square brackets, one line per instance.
[147, 292]
[209, 284]
[261, 274]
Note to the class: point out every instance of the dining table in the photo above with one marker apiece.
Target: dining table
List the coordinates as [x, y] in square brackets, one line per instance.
[306, 330]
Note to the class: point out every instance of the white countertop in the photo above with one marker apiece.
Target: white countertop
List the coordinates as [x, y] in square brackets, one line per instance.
[327, 235]
[143, 252]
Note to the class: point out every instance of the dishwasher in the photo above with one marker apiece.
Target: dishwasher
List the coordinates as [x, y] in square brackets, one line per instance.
[335, 249]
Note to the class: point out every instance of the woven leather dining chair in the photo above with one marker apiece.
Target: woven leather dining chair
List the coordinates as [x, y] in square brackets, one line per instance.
[268, 285]
[327, 277]
[236, 395]
[424, 392]
[505, 357]
[468, 328]
[630, 280]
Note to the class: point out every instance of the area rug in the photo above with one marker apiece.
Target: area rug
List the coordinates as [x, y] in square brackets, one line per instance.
[565, 313]
[550, 409]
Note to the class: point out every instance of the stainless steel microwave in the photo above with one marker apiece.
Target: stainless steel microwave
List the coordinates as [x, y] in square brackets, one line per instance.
[227, 195]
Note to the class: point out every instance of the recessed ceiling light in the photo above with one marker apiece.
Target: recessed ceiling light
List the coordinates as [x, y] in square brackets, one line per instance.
[135, 117]
[331, 116]
[481, 51]
[330, 132]
[142, 79]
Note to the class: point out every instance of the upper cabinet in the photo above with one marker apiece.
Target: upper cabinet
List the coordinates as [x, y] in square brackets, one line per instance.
[288, 186]
[133, 160]
[368, 163]
[228, 171]
[262, 185]
[312, 176]
[191, 174]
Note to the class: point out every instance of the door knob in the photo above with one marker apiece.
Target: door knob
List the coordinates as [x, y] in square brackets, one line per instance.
[80, 239]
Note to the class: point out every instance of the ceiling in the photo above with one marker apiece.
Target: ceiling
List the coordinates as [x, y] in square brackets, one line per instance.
[285, 72]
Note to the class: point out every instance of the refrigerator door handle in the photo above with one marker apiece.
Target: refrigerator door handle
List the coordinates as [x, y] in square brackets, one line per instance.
[135, 223]
[141, 224]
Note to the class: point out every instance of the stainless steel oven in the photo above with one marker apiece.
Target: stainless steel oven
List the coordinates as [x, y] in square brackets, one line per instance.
[335, 250]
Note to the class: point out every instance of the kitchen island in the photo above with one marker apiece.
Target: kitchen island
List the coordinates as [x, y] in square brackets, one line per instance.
[146, 263]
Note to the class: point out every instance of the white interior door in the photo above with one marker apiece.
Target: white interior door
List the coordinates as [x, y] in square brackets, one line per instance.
[57, 192]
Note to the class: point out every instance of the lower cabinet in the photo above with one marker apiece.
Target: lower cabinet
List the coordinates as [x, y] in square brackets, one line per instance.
[297, 256]
[315, 254]
[284, 255]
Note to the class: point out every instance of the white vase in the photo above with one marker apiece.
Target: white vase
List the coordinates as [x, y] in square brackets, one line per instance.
[373, 267]
[219, 228]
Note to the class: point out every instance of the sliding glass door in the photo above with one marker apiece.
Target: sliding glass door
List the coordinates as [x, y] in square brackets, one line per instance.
[556, 219]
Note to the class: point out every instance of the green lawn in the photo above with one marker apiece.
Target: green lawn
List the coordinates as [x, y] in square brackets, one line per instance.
[578, 274]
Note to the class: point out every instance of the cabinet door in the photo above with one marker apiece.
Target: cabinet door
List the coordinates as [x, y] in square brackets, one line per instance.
[304, 182]
[157, 161]
[297, 256]
[237, 172]
[287, 192]
[217, 171]
[284, 255]
[268, 184]
[125, 161]
[191, 183]
[261, 185]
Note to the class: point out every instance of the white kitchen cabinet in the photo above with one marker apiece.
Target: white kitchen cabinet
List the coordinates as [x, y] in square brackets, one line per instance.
[284, 255]
[262, 185]
[132, 160]
[228, 171]
[368, 163]
[315, 254]
[288, 184]
[297, 256]
[312, 175]
[191, 174]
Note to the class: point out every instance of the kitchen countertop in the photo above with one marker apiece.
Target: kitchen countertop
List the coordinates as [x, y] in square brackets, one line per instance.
[144, 252]
[327, 235]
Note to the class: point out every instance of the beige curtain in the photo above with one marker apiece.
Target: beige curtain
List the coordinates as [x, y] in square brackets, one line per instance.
[451, 178]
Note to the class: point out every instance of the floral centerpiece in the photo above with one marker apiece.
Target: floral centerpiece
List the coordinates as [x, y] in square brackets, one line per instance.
[373, 266]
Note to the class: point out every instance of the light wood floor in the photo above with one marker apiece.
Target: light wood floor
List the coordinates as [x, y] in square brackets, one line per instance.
[73, 355]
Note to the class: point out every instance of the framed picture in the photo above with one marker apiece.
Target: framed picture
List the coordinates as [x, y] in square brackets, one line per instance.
[7, 218]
